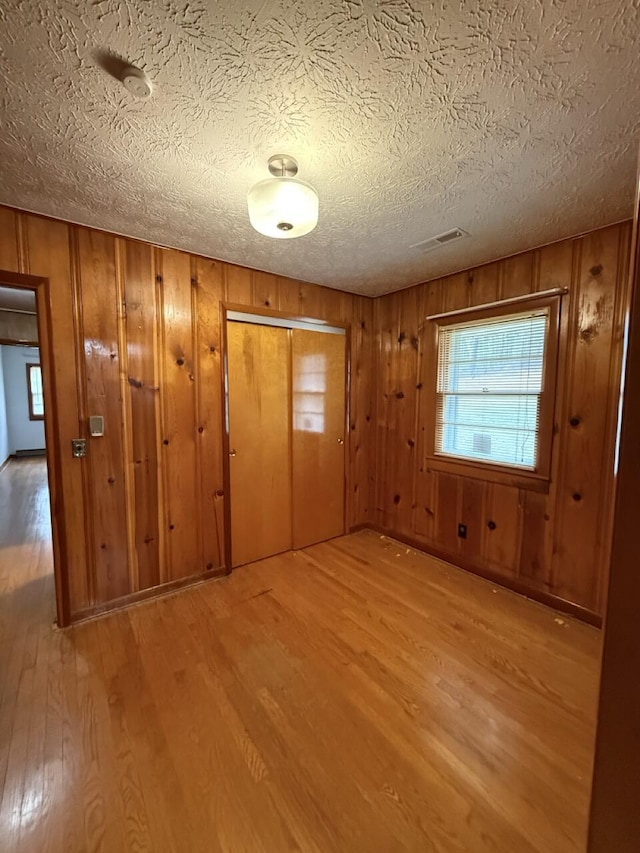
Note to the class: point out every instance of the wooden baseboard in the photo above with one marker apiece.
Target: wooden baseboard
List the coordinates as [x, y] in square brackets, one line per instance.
[28, 454]
[144, 595]
[515, 585]
[4, 464]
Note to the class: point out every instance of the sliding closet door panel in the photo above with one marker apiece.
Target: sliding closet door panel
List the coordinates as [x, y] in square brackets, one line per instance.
[319, 382]
[259, 440]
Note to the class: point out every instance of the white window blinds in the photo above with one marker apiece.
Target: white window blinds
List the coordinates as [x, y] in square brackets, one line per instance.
[489, 385]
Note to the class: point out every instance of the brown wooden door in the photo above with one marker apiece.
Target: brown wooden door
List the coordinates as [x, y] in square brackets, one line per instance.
[318, 385]
[259, 440]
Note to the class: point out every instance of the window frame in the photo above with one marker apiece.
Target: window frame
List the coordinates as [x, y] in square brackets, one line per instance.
[538, 478]
[32, 415]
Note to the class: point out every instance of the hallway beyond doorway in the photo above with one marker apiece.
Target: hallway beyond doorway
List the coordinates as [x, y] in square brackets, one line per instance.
[26, 563]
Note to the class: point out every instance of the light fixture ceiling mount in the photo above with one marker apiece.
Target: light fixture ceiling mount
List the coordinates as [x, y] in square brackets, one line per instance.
[283, 166]
[283, 206]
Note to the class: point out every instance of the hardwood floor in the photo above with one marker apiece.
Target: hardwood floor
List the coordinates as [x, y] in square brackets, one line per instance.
[356, 696]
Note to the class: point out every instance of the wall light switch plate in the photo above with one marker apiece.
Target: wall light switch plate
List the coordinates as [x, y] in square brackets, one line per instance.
[96, 426]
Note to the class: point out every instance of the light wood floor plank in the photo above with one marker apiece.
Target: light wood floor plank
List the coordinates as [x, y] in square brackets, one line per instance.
[357, 696]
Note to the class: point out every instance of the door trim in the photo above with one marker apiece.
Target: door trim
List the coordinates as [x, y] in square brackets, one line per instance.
[286, 318]
[283, 316]
[283, 323]
[40, 285]
[614, 819]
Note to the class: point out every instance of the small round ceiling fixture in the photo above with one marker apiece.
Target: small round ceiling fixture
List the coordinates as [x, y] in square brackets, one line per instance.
[136, 82]
[283, 206]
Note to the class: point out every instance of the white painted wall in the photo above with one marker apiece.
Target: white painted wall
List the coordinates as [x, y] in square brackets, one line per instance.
[23, 433]
[4, 428]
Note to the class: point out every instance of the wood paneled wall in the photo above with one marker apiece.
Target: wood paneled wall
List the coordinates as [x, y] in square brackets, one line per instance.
[137, 338]
[547, 545]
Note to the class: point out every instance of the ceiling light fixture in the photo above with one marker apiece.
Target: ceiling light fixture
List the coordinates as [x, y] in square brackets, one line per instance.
[283, 206]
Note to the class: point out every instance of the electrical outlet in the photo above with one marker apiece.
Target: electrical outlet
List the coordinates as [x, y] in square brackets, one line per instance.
[462, 531]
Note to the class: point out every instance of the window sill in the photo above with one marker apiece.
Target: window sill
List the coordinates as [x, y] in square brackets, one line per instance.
[503, 474]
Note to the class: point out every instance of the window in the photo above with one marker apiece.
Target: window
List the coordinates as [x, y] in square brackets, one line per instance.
[494, 390]
[35, 392]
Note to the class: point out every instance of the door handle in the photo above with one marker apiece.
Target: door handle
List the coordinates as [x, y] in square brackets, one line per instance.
[232, 453]
[341, 441]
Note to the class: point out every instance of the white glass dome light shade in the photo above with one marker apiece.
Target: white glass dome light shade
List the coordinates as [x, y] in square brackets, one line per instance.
[283, 208]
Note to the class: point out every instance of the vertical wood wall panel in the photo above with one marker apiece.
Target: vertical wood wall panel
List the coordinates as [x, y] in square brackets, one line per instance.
[405, 458]
[182, 499]
[556, 543]
[425, 482]
[361, 480]
[501, 542]
[580, 493]
[126, 416]
[142, 388]
[238, 285]
[105, 456]
[210, 292]
[9, 240]
[265, 290]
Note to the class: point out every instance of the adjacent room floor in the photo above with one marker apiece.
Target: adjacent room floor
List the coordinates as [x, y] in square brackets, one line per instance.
[356, 696]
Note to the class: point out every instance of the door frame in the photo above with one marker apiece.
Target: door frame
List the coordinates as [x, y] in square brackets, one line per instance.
[40, 286]
[284, 316]
[614, 819]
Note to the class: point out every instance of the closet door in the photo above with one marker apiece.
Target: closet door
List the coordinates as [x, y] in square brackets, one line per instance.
[318, 452]
[259, 377]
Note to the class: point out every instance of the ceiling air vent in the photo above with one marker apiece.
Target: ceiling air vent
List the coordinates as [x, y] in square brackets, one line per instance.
[440, 240]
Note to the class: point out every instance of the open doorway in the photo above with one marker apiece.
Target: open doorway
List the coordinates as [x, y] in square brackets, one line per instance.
[27, 581]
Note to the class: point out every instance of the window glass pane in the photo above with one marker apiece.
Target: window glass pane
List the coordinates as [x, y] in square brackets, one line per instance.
[37, 395]
[490, 379]
[506, 446]
[514, 412]
[495, 357]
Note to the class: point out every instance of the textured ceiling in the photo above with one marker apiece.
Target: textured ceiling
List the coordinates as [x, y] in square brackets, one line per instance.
[516, 121]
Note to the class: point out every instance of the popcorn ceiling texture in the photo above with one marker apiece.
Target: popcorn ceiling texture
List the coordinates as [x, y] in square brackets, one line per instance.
[517, 121]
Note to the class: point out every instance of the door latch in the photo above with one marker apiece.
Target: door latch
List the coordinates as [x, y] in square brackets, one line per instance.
[79, 448]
